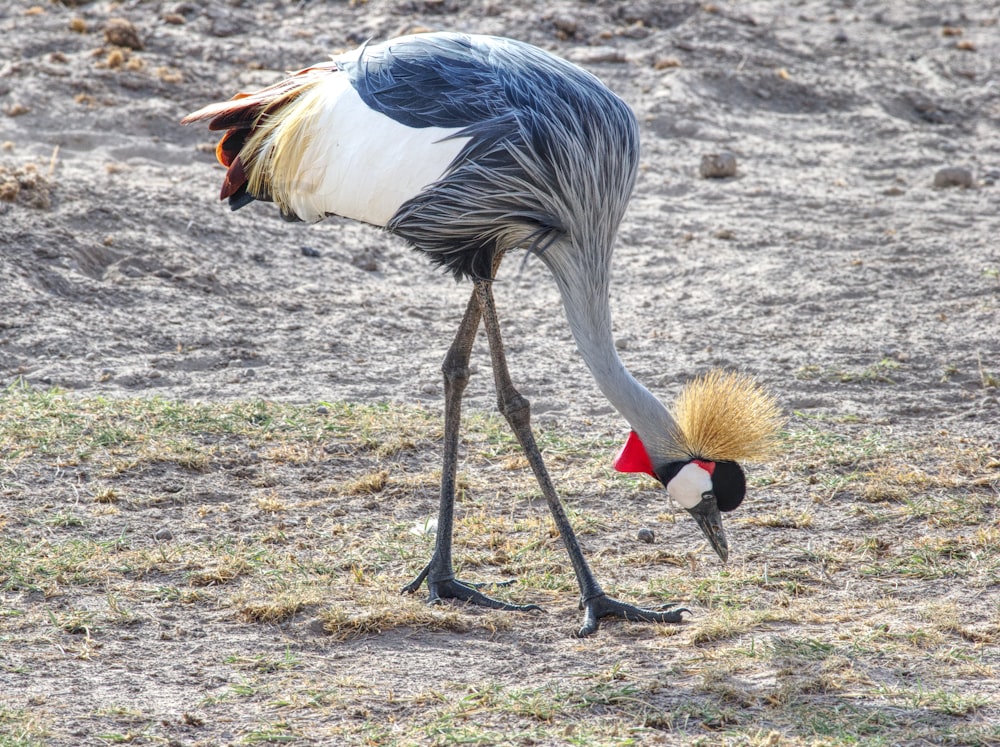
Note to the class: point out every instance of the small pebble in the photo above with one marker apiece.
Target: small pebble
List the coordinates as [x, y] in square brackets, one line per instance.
[665, 63]
[595, 55]
[310, 251]
[365, 261]
[953, 176]
[322, 410]
[122, 33]
[163, 535]
[645, 535]
[224, 24]
[718, 165]
[566, 24]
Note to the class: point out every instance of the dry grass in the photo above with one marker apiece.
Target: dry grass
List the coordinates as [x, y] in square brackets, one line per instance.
[259, 548]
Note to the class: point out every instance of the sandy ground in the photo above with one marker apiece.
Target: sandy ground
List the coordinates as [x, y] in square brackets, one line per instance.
[830, 256]
[831, 265]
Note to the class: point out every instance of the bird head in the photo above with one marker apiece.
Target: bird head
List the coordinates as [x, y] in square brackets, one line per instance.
[720, 419]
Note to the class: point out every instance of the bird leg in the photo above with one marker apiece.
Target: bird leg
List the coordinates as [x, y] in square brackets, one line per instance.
[440, 576]
[515, 408]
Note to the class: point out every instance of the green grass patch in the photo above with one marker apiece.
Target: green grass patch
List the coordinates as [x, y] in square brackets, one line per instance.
[21, 728]
[247, 557]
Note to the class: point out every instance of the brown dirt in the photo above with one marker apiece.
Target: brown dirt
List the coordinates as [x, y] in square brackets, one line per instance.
[830, 265]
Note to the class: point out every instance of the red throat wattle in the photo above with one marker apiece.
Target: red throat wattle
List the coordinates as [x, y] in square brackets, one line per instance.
[633, 456]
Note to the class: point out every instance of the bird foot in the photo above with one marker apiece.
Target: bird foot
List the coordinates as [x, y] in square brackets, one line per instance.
[604, 606]
[452, 588]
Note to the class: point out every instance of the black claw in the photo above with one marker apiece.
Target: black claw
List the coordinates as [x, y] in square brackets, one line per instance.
[604, 606]
[412, 587]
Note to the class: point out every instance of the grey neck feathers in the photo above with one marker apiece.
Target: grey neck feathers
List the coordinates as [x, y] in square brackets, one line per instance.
[583, 280]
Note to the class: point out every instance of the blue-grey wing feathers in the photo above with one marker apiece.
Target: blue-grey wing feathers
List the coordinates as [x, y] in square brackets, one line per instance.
[552, 152]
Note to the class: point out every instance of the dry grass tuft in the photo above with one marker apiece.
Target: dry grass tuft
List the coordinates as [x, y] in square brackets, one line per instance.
[279, 608]
[369, 484]
[26, 185]
[728, 623]
[227, 568]
[381, 613]
[782, 520]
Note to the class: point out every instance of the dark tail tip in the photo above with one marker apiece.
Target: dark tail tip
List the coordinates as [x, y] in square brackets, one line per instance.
[240, 198]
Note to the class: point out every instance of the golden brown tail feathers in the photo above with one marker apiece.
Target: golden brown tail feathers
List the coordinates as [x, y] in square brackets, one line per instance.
[242, 117]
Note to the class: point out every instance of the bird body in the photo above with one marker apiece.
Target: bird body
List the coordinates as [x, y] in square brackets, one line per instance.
[470, 147]
[523, 148]
[467, 146]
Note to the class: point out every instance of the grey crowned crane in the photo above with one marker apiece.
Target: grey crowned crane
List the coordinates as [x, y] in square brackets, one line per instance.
[469, 147]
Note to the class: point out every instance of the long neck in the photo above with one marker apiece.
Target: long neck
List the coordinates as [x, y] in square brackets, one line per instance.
[583, 284]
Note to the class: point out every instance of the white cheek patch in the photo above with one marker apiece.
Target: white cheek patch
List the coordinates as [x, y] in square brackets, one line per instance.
[689, 485]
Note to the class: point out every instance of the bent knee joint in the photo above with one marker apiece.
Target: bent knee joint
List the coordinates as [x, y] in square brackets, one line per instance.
[515, 408]
[456, 373]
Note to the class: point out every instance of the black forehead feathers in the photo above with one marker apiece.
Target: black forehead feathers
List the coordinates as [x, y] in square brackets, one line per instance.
[669, 471]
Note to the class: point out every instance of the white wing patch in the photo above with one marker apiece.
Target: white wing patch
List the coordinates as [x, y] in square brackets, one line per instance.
[350, 160]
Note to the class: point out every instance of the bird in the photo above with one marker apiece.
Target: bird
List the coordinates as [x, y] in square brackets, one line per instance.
[470, 147]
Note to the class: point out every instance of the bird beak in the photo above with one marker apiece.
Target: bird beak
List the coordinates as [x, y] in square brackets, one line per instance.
[709, 519]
